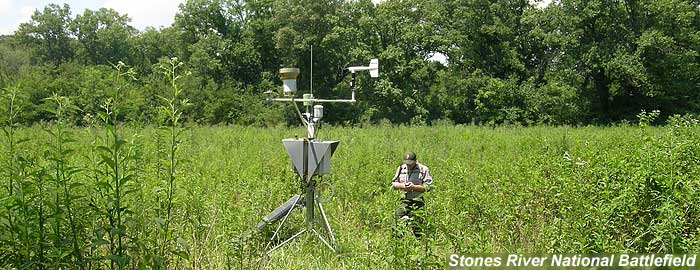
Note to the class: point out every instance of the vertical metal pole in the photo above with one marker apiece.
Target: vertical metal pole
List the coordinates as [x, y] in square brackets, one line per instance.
[310, 125]
[309, 197]
[352, 86]
[311, 64]
[310, 207]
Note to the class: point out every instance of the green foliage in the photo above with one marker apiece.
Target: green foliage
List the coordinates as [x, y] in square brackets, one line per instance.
[62, 173]
[95, 189]
[116, 176]
[14, 58]
[171, 113]
[104, 36]
[570, 62]
[530, 190]
[47, 32]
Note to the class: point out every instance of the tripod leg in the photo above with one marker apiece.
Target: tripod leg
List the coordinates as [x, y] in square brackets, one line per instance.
[286, 241]
[323, 240]
[325, 222]
[282, 222]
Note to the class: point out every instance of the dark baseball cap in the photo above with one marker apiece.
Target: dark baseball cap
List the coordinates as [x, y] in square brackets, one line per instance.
[409, 158]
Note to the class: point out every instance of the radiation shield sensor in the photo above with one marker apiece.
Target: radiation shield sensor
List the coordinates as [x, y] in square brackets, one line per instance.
[289, 80]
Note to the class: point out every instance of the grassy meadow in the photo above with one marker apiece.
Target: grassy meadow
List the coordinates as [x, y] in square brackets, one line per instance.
[189, 198]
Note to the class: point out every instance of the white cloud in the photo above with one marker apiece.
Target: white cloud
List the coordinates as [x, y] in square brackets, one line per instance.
[154, 13]
[25, 14]
[5, 6]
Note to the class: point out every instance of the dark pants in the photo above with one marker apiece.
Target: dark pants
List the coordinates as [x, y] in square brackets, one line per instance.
[409, 208]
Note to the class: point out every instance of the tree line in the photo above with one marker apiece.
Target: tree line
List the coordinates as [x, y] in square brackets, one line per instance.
[507, 61]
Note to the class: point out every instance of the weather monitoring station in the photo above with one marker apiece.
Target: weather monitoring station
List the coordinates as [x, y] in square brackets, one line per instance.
[309, 158]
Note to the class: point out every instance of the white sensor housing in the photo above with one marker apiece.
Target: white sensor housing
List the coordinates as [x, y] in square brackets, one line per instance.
[289, 80]
[373, 68]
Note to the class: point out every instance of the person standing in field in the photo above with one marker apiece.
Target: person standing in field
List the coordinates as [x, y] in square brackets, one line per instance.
[413, 178]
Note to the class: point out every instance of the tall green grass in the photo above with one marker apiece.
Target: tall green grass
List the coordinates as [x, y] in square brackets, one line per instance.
[66, 196]
[170, 197]
[115, 177]
[171, 113]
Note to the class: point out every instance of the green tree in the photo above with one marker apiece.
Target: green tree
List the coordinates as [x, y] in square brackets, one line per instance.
[13, 59]
[152, 44]
[632, 54]
[48, 34]
[104, 36]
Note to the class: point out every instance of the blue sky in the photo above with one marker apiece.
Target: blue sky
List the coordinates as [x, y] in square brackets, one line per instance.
[143, 13]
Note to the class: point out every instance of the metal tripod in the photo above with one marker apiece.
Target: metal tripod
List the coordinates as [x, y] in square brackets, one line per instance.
[310, 203]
